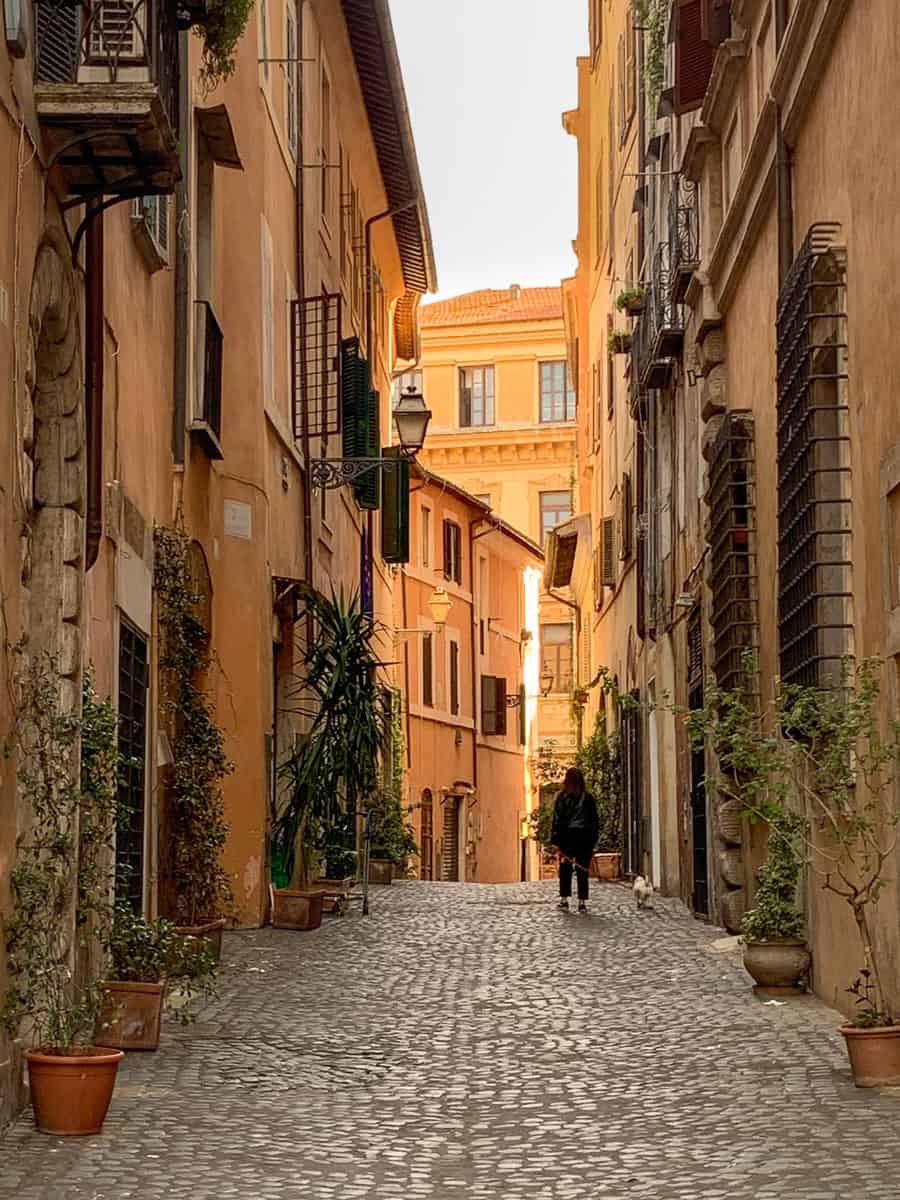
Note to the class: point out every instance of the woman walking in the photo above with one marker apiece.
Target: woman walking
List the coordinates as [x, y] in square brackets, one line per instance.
[576, 824]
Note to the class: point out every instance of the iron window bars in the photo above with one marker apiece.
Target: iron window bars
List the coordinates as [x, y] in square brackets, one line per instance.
[815, 612]
[731, 536]
[316, 369]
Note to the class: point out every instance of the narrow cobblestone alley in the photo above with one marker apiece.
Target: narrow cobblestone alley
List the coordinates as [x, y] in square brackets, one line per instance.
[471, 1041]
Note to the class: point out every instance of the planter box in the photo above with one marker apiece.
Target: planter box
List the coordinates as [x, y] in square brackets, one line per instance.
[296, 909]
[874, 1055]
[777, 966]
[381, 870]
[549, 865]
[336, 893]
[211, 933]
[606, 865]
[130, 1016]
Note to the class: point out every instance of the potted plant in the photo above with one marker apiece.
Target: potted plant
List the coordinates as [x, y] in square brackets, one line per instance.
[631, 301]
[221, 25]
[202, 892]
[67, 760]
[333, 767]
[824, 755]
[598, 761]
[619, 341]
[775, 950]
[147, 959]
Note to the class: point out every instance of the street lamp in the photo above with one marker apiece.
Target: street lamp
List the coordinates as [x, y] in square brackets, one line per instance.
[411, 419]
[440, 605]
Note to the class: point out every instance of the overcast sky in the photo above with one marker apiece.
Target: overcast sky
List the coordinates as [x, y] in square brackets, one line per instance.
[487, 82]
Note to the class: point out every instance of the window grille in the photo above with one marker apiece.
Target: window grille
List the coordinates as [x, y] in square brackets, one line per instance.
[732, 547]
[815, 614]
[317, 364]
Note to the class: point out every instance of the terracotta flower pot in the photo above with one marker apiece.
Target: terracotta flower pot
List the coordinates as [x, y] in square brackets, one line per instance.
[131, 1015]
[296, 909]
[381, 870]
[211, 933]
[70, 1094]
[606, 865]
[874, 1055]
[777, 965]
[336, 893]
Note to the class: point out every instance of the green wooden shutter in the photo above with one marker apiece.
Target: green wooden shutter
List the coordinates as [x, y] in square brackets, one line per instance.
[395, 510]
[368, 489]
[354, 397]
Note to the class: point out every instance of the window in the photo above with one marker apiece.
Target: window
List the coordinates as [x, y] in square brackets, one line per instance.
[268, 331]
[425, 552]
[555, 507]
[427, 670]
[598, 206]
[290, 76]
[402, 383]
[454, 679]
[693, 57]
[476, 396]
[556, 655]
[608, 551]
[557, 393]
[150, 224]
[610, 380]
[493, 705]
[452, 551]
[132, 727]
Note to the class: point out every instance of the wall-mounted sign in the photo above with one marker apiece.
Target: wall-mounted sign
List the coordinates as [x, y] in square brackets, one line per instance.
[238, 520]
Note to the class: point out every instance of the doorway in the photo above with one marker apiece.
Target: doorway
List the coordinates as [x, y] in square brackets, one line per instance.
[132, 709]
[698, 771]
[427, 835]
[450, 855]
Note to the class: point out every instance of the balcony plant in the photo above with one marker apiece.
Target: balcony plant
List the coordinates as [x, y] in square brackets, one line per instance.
[619, 341]
[829, 758]
[147, 960]
[333, 768]
[631, 301]
[221, 25]
[199, 762]
[66, 769]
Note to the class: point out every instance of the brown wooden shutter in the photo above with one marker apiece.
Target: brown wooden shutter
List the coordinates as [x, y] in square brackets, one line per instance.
[715, 21]
[598, 578]
[608, 546]
[626, 526]
[693, 57]
[427, 671]
[454, 678]
[500, 686]
[488, 704]
[448, 552]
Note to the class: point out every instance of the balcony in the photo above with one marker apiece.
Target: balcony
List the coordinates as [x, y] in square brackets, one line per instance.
[684, 235]
[106, 94]
[659, 333]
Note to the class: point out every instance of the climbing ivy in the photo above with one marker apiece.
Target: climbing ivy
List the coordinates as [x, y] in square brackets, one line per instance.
[653, 16]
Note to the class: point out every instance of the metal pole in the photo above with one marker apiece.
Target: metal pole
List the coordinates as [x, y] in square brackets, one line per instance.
[367, 835]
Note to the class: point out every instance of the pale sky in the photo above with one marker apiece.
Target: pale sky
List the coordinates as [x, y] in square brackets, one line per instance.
[487, 82]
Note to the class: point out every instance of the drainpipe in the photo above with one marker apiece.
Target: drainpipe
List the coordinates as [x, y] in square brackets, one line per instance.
[182, 258]
[93, 377]
[783, 166]
[474, 655]
[300, 211]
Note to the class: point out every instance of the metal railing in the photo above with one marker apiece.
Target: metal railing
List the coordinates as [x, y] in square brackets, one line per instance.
[659, 333]
[684, 234]
[109, 42]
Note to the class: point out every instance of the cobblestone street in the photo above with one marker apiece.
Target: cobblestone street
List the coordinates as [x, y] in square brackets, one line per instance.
[471, 1041]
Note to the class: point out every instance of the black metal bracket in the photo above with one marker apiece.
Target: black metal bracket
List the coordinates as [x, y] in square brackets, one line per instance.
[327, 473]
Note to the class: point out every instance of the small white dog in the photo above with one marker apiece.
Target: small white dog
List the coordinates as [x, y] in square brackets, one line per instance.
[643, 891]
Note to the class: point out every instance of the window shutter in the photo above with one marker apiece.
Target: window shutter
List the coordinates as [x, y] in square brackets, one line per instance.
[456, 538]
[608, 546]
[598, 578]
[621, 88]
[488, 704]
[522, 713]
[626, 526]
[57, 41]
[715, 21]
[465, 401]
[500, 692]
[427, 672]
[368, 488]
[454, 678]
[630, 60]
[448, 566]
[395, 509]
[354, 387]
[693, 57]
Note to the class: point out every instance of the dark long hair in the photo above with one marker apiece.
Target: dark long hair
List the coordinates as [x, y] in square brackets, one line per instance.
[574, 782]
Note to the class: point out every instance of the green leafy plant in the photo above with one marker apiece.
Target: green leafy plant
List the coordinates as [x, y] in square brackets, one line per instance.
[630, 299]
[67, 758]
[199, 830]
[619, 341]
[653, 16]
[142, 951]
[333, 768]
[598, 760]
[775, 913]
[540, 821]
[821, 765]
[221, 30]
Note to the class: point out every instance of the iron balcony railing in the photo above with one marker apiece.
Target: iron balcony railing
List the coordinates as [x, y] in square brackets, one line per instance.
[684, 235]
[109, 42]
[659, 333]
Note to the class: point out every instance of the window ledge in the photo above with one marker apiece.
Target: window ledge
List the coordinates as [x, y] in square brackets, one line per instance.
[203, 435]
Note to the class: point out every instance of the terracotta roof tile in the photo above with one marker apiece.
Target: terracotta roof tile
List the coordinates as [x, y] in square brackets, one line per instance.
[491, 304]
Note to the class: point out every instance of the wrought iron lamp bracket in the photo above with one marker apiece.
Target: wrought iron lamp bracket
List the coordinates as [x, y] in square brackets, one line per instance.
[328, 473]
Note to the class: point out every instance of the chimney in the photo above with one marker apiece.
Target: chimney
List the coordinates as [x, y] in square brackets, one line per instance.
[515, 291]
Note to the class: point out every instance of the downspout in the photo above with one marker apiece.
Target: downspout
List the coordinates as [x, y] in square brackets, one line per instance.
[93, 378]
[300, 212]
[474, 648]
[182, 259]
[784, 181]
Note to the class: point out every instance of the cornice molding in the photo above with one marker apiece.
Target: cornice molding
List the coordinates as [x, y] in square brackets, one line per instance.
[727, 68]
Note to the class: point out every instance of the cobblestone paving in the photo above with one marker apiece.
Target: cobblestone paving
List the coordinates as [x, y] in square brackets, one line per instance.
[472, 1042]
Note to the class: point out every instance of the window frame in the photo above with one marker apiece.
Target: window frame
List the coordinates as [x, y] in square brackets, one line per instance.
[489, 403]
[453, 676]
[567, 401]
[452, 547]
[545, 508]
[425, 536]
[553, 654]
[428, 669]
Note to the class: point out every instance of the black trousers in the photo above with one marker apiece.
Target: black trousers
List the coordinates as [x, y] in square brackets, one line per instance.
[582, 853]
